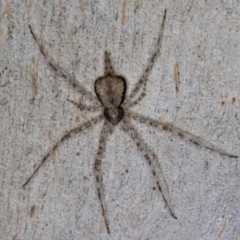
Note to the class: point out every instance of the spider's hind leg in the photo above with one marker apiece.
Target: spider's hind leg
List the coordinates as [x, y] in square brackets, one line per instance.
[142, 83]
[83, 107]
[61, 72]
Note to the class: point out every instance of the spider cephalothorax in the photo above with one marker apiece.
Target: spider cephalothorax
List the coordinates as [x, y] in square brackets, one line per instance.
[110, 90]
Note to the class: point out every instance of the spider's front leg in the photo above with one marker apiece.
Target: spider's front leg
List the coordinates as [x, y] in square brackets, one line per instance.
[106, 130]
[180, 133]
[153, 164]
[72, 132]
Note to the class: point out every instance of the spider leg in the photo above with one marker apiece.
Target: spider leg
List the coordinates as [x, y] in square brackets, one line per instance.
[179, 132]
[65, 137]
[85, 107]
[152, 164]
[143, 80]
[108, 65]
[62, 73]
[97, 170]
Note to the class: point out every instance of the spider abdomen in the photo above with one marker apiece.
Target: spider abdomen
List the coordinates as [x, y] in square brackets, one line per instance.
[110, 90]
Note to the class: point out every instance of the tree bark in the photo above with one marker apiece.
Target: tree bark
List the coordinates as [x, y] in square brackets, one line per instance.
[194, 84]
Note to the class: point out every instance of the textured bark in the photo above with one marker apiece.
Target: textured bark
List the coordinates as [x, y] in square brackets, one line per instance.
[194, 84]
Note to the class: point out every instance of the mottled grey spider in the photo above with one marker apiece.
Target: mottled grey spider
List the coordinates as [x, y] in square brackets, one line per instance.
[111, 90]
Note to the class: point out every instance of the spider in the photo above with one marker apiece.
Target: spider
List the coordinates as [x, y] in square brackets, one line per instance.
[110, 97]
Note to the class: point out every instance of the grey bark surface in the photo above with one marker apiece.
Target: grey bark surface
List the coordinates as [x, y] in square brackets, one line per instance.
[60, 202]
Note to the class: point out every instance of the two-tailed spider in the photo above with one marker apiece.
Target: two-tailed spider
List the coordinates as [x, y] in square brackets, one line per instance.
[115, 109]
